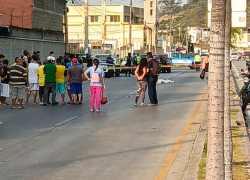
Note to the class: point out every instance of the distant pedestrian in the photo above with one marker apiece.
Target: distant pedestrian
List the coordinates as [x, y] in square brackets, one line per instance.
[41, 80]
[110, 60]
[18, 79]
[1, 72]
[141, 74]
[205, 68]
[128, 59]
[5, 83]
[152, 80]
[97, 85]
[33, 80]
[51, 57]
[60, 82]
[74, 80]
[50, 83]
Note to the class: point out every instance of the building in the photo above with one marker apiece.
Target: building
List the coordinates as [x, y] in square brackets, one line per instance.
[108, 27]
[32, 25]
[240, 19]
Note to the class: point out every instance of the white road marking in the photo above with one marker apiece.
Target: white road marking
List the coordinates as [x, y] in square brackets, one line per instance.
[132, 92]
[174, 75]
[65, 121]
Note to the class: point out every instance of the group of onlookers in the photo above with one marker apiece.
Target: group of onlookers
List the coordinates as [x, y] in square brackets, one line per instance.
[48, 77]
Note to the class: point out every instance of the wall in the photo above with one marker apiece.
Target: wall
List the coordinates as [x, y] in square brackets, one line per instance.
[48, 14]
[21, 15]
[31, 40]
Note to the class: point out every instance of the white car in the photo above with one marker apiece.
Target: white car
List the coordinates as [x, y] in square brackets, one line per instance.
[234, 56]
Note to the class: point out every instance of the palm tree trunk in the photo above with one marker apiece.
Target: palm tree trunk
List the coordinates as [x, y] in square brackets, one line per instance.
[215, 169]
[228, 144]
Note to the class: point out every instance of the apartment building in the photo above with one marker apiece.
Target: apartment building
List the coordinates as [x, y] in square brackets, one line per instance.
[108, 26]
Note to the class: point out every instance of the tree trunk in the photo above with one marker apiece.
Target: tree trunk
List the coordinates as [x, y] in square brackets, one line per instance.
[228, 144]
[215, 169]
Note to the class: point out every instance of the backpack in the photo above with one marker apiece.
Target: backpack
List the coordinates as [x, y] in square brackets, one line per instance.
[156, 68]
[95, 78]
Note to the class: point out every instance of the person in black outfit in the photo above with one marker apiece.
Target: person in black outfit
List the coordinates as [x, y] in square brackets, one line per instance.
[5, 82]
[128, 60]
[152, 80]
[163, 62]
[89, 60]
[110, 60]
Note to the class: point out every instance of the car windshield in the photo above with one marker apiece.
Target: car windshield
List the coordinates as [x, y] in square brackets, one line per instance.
[247, 53]
[143, 56]
[102, 57]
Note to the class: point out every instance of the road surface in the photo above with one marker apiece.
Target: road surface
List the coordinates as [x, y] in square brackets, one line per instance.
[121, 143]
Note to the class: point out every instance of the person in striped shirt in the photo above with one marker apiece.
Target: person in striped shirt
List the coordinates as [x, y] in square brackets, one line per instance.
[18, 80]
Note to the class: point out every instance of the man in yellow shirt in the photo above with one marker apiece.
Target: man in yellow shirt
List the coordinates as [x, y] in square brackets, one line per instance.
[60, 82]
[41, 79]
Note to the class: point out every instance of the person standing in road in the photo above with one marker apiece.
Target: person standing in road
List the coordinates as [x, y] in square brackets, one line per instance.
[33, 80]
[41, 79]
[60, 83]
[1, 72]
[18, 79]
[128, 59]
[74, 80]
[141, 74]
[134, 61]
[205, 67]
[51, 57]
[5, 83]
[152, 80]
[97, 84]
[138, 58]
[110, 60]
[1, 59]
[50, 83]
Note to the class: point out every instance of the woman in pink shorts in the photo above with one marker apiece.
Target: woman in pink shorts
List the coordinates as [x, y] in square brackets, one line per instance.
[97, 85]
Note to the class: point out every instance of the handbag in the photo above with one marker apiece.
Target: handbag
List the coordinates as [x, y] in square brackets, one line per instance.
[104, 99]
[203, 73]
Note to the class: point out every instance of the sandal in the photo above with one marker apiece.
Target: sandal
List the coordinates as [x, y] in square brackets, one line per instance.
[63, 103]
[78, 102]
[21, 108]
[13, 108]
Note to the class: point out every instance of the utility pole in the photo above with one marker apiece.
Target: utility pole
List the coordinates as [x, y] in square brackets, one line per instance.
[110, 1]
[66, 28]
[179, 35]
[170, 27]
[130, 28]
[103, 19]
[86, 27]
[201, 39]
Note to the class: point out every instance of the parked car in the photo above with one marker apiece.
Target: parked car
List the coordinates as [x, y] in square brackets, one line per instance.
[234, 56]
[246, 55]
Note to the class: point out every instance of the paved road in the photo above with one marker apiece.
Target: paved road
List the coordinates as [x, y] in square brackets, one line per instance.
[121, 143]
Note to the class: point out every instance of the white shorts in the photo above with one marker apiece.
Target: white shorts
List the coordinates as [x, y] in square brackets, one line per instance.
[5, 90]
[33, 87]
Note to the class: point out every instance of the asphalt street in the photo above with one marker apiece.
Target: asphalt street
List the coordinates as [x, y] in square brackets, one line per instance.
[121, 143]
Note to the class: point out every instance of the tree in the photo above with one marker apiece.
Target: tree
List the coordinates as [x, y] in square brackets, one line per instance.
[215, 169]
[228, 144]
[236, 34]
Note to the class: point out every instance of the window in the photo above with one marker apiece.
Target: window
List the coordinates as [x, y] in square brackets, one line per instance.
[114, 18]
[93, 18]
[151, 3]
[126, 19]
[151, 12]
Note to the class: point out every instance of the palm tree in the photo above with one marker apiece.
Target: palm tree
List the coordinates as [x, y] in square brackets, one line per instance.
[215, 169]
[228, 144]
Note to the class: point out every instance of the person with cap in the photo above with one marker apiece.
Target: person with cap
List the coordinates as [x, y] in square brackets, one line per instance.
[75, 78]
[50, 83]
[51, 57]
[110, 60]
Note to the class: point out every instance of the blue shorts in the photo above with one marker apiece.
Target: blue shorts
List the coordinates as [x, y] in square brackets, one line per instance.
[60, 87]
[76, 88]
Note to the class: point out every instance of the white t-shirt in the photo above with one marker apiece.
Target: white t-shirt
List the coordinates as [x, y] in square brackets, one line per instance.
[32, 74]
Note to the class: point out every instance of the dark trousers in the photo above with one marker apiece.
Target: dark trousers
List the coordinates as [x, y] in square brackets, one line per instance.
[152, 89]
[47, 87]
[128, 71]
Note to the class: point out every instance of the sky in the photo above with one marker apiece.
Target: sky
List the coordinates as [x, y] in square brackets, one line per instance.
[137, 3]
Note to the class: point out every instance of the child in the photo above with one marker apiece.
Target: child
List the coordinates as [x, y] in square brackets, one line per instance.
[97, 84]
[141, 74]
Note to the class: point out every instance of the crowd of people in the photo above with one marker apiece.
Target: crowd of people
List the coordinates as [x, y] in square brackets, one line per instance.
[28, 75]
